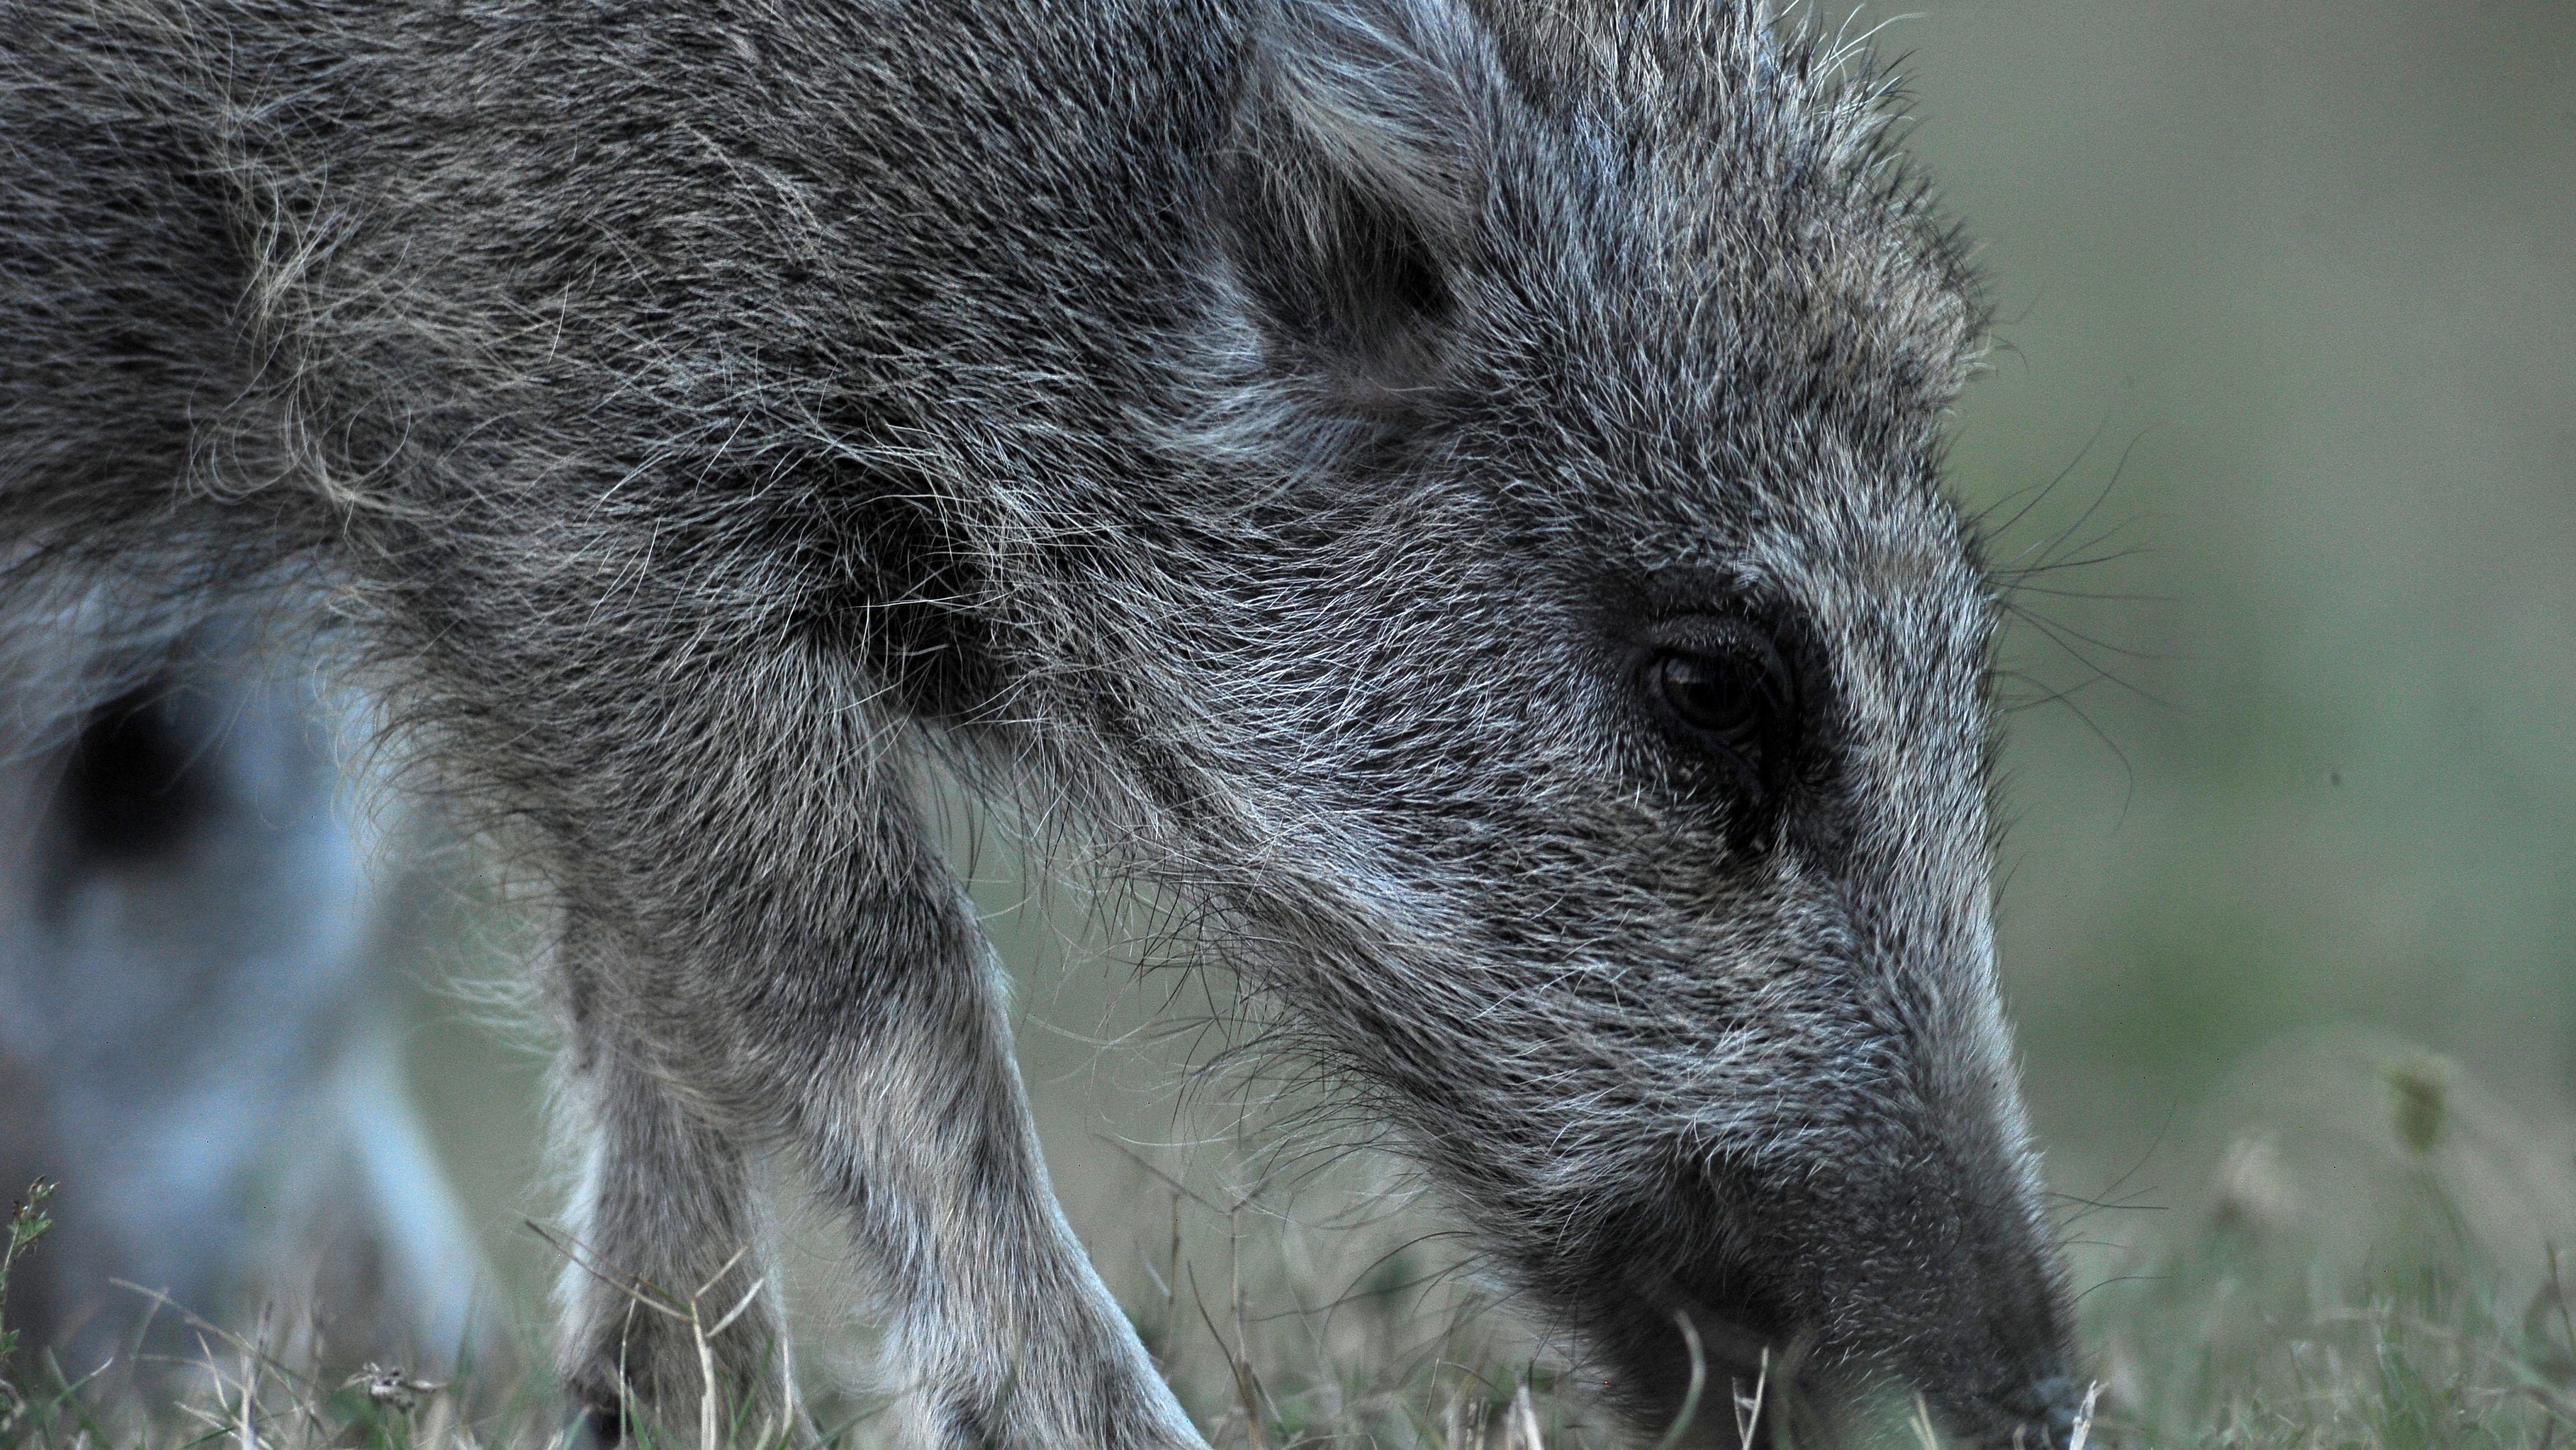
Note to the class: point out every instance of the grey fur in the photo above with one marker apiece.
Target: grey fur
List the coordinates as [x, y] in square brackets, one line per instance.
[1283, 437]
[195, 1035]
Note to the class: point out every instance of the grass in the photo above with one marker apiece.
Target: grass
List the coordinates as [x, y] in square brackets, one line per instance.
[2367, 1260]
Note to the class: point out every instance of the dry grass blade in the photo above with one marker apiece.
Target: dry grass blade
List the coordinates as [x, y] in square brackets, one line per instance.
[1748, 1407]
[1698, 1383]
[1520, 1430]
[2084, 1417]
[1247, 1390]
[710, 1393]
[250, 1384]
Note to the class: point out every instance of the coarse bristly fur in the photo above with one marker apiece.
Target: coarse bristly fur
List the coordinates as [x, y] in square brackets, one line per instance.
[1315, 443]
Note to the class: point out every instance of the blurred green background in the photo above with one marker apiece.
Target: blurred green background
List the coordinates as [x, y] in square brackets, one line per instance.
[2286, 302]
[2310, 268]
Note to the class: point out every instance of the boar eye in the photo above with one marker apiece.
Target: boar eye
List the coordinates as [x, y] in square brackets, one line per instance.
[1734, 704]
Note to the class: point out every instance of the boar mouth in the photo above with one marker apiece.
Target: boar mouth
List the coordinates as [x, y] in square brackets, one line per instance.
[1735, 1334]
[2040, 1416]
[1746, 1335]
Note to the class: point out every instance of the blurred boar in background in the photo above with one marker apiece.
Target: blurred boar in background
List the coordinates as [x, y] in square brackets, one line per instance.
[195, 1033]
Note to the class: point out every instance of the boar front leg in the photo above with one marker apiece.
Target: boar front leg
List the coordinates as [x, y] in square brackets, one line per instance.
[1000, 1333]
[833, 997]
[664, 1218]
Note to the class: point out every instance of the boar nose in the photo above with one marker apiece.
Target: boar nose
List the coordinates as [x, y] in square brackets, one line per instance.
[2065, 1403]
[2042, 1417]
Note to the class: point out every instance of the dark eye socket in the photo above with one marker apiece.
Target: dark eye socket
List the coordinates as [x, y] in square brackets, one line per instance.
[1734, 703]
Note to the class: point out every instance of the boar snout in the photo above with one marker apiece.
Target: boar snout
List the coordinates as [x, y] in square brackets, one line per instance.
[1873, 1266]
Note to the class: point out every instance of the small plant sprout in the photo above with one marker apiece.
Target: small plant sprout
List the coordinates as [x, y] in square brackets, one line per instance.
[393, 1387]
[2419, 1090]
[28, 1222]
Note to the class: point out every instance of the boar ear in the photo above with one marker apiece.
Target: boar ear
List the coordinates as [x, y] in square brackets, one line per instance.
[1352, 191]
